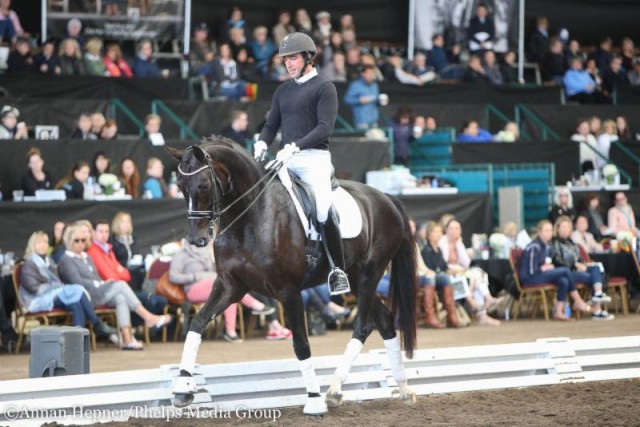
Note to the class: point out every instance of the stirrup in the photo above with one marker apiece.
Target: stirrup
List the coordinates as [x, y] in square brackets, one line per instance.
[338, 282]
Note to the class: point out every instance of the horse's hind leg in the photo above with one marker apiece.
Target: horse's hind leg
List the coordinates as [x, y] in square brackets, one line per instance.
[384, 321]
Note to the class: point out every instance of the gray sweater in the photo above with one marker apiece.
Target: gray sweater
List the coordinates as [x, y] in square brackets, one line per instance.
[190, 265]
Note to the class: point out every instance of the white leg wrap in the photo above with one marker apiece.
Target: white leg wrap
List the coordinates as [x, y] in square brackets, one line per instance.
[353, 349]
[395, 360]
[309, 376]
[190, 351]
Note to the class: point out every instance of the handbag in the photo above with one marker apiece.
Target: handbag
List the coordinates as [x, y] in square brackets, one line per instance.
[173, 293]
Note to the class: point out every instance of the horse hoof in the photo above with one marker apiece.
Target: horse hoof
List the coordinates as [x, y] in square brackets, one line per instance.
[409, 398]
[315, 407]
[334, 400]
[181, 400]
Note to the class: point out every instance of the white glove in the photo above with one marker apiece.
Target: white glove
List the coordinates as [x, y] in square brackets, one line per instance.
[259, 148]
[287, 152]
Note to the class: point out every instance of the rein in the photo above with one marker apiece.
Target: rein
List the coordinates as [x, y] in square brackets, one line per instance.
[214, 215]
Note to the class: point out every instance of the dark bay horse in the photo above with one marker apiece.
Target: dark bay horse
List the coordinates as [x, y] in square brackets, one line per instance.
[260, 246]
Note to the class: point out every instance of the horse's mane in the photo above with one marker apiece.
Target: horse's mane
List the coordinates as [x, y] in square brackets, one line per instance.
[232, 155]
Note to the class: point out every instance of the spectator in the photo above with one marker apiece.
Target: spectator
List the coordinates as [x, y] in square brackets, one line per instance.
[76, 267]
[578, 84]
[20, 60]
[592, 212]
[246, 68]
[226, 77]
[73, 183]
[97, 123]
[319, 298]
[536, 267]
[581, 236]
[71, 63]
[565, 253]
[35, 178]
[145, 65]
[562, 205]
[47, 61]
[283, 27]
[510, 133]
[627, 52]
[362, 95]
[152, 124]
[323, 28]
[303, 22]
[438, 58]
[349, 39]
[404, 77]
[553, 63]
[155, 187]
[130, 177]
[336, 44]
[624, 133]
[368, 59]
[595, 125]
[58, 248]
[574, 51]
[109, 130]
[491, 68]
[277, 72]
[237, 41]
[509, 68]
[481, 31]
[42, 290]
[401, 127]
[10, 127]
[335, 70]
[621, 216]
[602, 54]
[237, 130]
[122, 240]
[594, 72]
[262, 49]
[6, 13]
[475, 71]
[83, 129]
[74, 29]
[202, 51]
[7, 29]
[539, 41]
[614, 76]
[418, 127]
[609, 134]
[115, 62]
[588, 146]
[421, 69]
[235, 20]
[471, 132]
[101, 164]
[93, 58]
[347, 23]
[634, 75]
[354, 66]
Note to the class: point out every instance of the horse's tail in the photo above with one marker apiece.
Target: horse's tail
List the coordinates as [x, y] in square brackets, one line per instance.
[403, 284]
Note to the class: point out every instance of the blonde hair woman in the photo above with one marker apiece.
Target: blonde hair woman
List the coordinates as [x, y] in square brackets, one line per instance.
[71, 63]
[609, 134]
[93, 60]
[42, 290]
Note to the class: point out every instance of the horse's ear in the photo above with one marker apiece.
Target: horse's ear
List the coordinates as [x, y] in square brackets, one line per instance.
[175, 152]
[199, 155]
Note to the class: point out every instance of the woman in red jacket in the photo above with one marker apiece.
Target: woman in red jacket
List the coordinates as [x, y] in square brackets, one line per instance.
[115, 63]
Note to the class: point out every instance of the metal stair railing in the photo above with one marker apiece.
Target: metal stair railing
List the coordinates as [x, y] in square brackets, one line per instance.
[630, 154]
[159, 106]
[115, 105]
[521, 111]
[624, 174]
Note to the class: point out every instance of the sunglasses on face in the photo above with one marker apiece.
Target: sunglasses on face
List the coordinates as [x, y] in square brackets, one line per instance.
[79, 240]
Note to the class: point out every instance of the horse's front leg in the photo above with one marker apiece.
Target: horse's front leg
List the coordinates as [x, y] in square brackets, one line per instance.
[222, 295]
[294, 312]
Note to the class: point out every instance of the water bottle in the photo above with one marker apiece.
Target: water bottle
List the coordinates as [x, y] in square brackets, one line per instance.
[567, 310]
[434, 182]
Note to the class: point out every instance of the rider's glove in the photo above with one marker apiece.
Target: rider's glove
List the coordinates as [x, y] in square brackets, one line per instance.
[287, 152]
[259, 148]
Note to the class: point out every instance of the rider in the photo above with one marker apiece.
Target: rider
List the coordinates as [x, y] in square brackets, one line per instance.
[305, 111]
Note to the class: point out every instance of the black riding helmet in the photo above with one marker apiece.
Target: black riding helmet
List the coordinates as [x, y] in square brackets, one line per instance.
[298, 43]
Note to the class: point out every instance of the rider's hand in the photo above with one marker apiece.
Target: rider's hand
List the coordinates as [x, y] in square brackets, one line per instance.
[287, 152]
[259, 148]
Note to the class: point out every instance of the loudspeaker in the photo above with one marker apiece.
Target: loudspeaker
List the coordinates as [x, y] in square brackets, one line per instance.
[58, 351]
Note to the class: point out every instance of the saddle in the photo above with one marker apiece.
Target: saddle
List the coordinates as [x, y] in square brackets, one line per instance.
[307, 198]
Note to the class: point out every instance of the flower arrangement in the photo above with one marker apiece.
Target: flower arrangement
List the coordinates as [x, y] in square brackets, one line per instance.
[498, 242]
[625, 240]
[609, 172]
[109, 183]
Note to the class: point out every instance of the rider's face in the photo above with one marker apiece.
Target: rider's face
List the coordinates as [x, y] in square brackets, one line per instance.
[294, 64]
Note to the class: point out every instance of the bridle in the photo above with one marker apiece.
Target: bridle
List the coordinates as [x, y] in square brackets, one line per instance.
[214, 215]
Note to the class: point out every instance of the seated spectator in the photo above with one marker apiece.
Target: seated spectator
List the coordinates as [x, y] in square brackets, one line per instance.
[362, 96]
[588, 146]
[7, 30]
[323, 28]
[10, 128]
[73, 183]
[539, 41]
[578, 84]
[20, 60]
[335, 70]
[421, 69]
[47, 61]
[97, 123]
[101, 164]
[562, 205]
[536, 267]
[458, 262]
[93, 58]
[319, 298]
[621, 216]
[226, 77]
[246, 68]
[74, 31]
[574, 50]
[609, 134]
[553, 63]
[237, 130]
[368, 59]
[349, 39]
[57, 248]
[130, 177]
[235, 20]
[115, 63]
[353, 63]
[595, 125]
[634, 75]
[510, 133]
[123, 245]
[481, 31]
[491, 69]
[194, 269]
[597, 227]
[475, 71]
[6, 13]
[471, 132]
[565, 253]
[627, 52]
[442, 61]
[594, 72]
[395, 73]
[303, 22]
[283, 27]
[35, 178]
[401, 127]
[509, 68]
[77, 267]
[83, 129]
[145, 65]
[277, 72]
[109, 130]
[70, 56]
[152, 125]
[42, 290]
[581, 236]
[261, 49]
[602, 54]
[155, 187]
[202, 51]
[624, 133]
[614, 76]
[418, 127]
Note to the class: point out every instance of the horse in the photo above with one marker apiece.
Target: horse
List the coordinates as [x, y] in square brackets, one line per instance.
[259, 245]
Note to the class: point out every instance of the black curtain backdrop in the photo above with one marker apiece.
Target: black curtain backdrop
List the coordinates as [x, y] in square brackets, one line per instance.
[564, 155]
[161, 221]
[624, 161]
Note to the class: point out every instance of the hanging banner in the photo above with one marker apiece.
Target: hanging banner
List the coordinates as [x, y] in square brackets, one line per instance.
[451, 19]
[160, 20]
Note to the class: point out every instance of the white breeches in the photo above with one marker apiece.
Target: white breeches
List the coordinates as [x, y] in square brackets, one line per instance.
[314, 168]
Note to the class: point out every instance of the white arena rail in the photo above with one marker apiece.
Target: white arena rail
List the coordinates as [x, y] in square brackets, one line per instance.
[116, 396]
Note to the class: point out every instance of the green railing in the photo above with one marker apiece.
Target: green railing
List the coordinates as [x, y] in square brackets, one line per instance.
[343, 124]
[631, 155]
[521, 111]
[493, 110]
[115, 105]
[157, 106]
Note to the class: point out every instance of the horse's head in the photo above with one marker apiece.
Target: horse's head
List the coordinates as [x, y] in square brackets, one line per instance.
[203, 182]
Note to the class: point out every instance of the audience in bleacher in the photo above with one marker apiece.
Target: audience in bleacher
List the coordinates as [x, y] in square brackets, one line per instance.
[621, 216]
[282, 27]
[20, 60]
[588, 146]
[562, 205]
[237, 129]
[363, 97]
[70, 56]
[608, 135]
[130, 177]
[10, 128]
[471, 132]
[93, 58]
[154, 186]
[145, 65]
[115, 63]
[581, 236]
[73, 183]
[35, 178]
[481, 30]
[597, 226]
[47, 61]
[83, 129]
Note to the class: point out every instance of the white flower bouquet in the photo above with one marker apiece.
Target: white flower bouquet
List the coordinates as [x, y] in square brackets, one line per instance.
[498, 242]
[610, 172]
[109, 182]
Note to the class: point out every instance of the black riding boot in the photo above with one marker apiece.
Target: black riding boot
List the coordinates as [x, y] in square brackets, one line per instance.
[338, 282]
